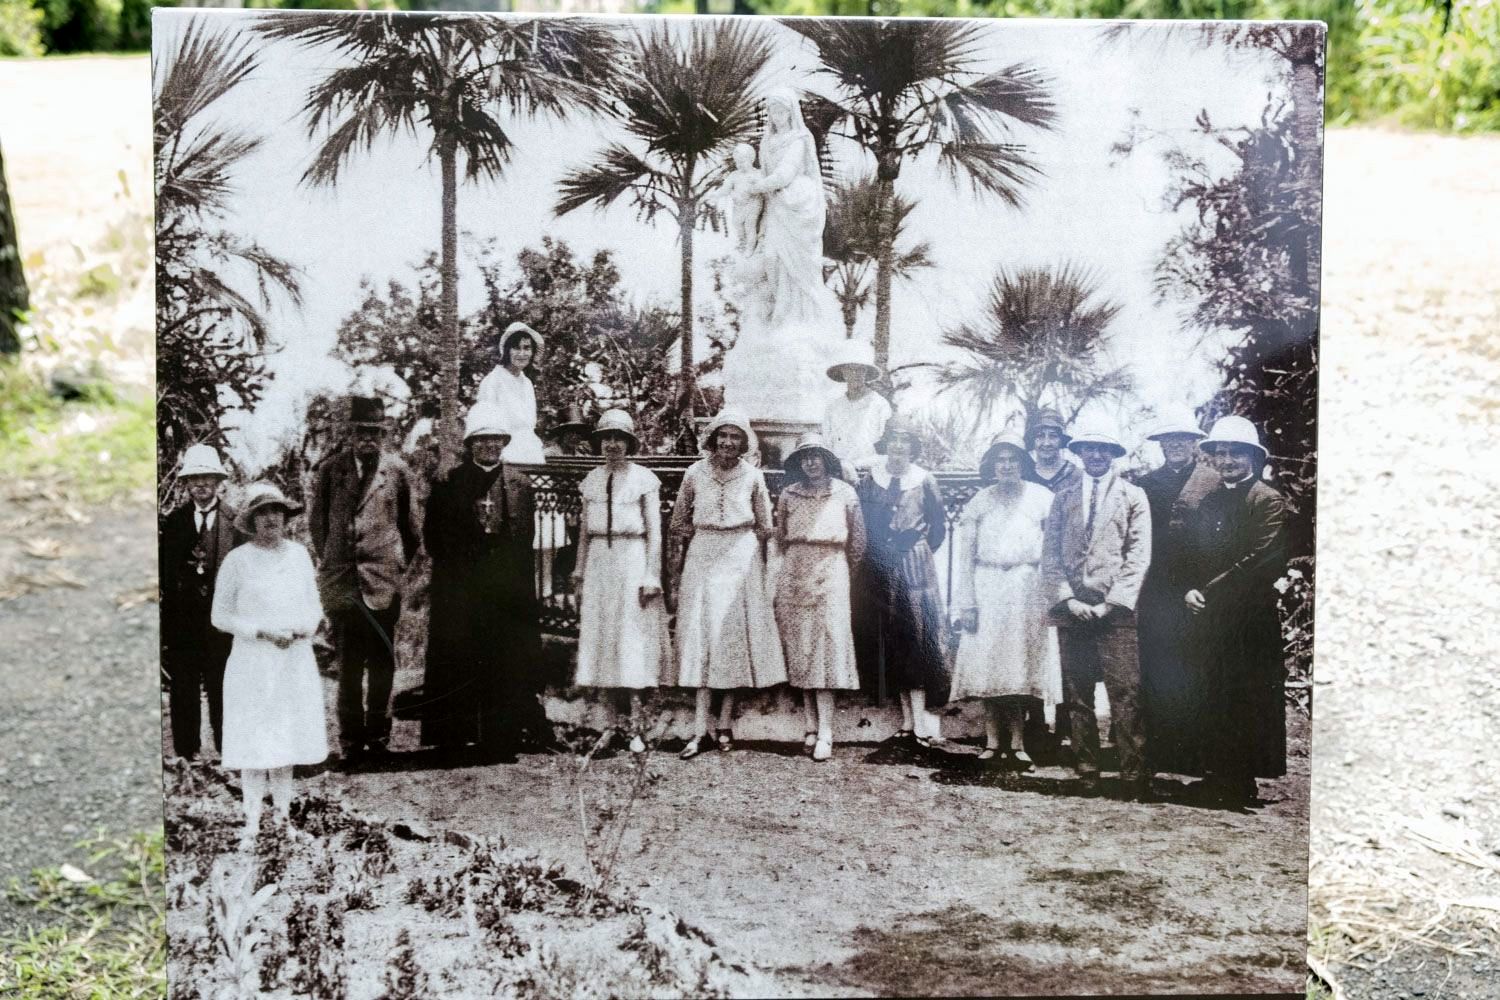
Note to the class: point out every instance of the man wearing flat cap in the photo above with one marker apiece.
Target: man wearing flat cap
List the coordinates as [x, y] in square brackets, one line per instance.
[194, 539]
[1096, 549]
[365, 530]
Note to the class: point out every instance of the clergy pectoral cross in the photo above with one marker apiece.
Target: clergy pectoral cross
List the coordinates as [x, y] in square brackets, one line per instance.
[486, 509]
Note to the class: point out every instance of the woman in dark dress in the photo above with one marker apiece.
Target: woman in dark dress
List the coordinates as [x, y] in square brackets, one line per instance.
[904, 516]
[484, 644]
[1237, 553]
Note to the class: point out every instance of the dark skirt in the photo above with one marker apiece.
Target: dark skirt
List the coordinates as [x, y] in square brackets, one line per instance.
[900, 627]
[1172, 700]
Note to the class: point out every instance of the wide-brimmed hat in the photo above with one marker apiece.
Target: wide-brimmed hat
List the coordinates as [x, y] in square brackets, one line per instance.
[519, 327]
[485, 419]
[808, 443]
[617, 422]
[259, 497]
[201, 460]
[998, 443]
[572, 420]
[1046, 418]
[854, 354]
[899, 426]
[1235, 430]
[1097, 434]
[366, 411]
[1177, 422]
[728, 417]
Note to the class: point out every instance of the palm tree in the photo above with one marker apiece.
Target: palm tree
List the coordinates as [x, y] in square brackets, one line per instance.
[210, 332]
[684, 107]
[911, 87]
[852, 239]
[453, 79]
[1039, 342]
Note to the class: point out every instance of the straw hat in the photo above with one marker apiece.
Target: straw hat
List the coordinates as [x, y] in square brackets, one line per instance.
[728, 417]
[1178, 422]
[1235, 430]
[485, 419]
[1046, 418]
[1098, 434]
[617, 422]
[997, 443]
[519, 327]
[900, 426]
[854, 354]
[259, 497]
[808, 443]
[201, 460]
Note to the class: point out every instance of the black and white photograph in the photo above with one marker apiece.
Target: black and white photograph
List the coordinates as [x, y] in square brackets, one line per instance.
[735, 506]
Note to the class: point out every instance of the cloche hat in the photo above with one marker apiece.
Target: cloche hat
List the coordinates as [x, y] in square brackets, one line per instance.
[997, 444]
[854, 354]
[259, 497]
[1046, 418]
[617, 422]
[519, 327]
[808, 443]
[728, 417]
[900, 426]
[485, 419]
[1235, 430]
[201, 460]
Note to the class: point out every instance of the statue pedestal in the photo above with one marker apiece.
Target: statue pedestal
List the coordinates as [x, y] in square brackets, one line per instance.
[779, 379]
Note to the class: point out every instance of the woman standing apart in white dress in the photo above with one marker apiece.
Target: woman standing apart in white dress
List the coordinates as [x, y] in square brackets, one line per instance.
[266, 597]
[622, 628]
[508, 387]
[821, 532]
[726, 629]
[1009, 654]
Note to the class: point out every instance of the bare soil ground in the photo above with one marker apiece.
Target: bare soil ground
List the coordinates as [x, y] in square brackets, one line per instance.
[962, 885]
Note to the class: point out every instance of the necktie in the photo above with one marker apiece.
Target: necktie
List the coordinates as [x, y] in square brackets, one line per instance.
[1088, 527]
[609, 510]
[202, 516]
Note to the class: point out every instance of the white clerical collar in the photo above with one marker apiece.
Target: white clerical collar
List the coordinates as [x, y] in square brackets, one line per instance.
[490, 468]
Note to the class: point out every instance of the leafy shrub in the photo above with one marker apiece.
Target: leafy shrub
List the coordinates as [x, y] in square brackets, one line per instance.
[20, 28]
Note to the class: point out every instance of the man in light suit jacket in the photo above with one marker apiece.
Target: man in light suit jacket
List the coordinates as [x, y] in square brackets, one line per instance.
[1095, 555]
[365, 531]
[193, 541]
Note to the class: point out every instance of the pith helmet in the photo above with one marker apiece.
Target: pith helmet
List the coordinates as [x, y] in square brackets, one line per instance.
[485, 419]
[201, 460]
[617, 422]
[1098, 434]
[1177, 422]
[1235, 430]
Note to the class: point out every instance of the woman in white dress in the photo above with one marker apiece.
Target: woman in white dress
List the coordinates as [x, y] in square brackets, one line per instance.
[726, 629]
[266, 597]
[1009, 653]
[821, 533]
[508, 387]
[622, 628]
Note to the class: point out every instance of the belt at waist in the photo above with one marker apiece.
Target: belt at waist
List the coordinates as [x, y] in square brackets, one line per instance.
[989, 564]
[826, 543]
[596, 535]
[719, 527]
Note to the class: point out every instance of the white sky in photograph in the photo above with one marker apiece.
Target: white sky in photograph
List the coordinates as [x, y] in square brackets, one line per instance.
[384, 215]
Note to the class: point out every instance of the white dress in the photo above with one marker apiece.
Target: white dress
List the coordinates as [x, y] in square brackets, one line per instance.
[998, 563]
[273, 699]
[851, 427]
[621, 643]
[726, 629]
[822, 534]
[516, 397]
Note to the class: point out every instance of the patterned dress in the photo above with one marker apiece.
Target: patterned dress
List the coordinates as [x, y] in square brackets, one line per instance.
[905, 519]
[726, 629]
[998, 559]
[620, 642]
[822, 536]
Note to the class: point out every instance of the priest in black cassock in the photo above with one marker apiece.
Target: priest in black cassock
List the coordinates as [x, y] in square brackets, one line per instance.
[484, 646]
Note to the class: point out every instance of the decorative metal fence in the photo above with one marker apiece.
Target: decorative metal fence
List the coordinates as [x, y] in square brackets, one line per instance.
[555, 487]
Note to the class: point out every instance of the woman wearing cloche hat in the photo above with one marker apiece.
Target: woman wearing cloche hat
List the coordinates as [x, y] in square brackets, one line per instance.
[509, 388]
[821, 533]
[267, 599]
[622, 627]
[1236, 555]
[1008, 655]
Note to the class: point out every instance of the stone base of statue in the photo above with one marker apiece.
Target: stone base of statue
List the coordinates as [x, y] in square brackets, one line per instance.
[779, 379]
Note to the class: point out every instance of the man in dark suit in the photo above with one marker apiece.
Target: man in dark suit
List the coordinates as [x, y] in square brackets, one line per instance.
[192, 542]
[1096, 550]
[365, 531]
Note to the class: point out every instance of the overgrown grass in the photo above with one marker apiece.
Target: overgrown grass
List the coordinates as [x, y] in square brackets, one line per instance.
[104, 937]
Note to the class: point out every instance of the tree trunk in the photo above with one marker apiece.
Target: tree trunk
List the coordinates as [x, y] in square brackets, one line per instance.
[1307, 120]
[687, 217]
[449, 418]
[14, 297]
[884, 267]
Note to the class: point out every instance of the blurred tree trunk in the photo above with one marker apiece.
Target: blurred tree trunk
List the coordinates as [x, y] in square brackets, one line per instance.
[14, 298]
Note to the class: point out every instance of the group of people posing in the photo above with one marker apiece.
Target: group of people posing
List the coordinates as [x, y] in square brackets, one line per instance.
[1067, 574]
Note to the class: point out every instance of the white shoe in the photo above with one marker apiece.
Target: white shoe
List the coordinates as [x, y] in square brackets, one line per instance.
[822, 750]
[637, 745]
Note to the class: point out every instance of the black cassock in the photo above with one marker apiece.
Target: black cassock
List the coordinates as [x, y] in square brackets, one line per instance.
[484, 670]
[1237, 553]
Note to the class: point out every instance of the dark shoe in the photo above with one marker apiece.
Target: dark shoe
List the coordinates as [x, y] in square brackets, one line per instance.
[1136, 791]
[1021, 761]
[1088, 785]
[378, 749]
[990, 754]
[725, 739]
[902, 735]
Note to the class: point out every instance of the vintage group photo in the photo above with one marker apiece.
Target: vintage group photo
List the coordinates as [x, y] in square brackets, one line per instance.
[735, 506]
